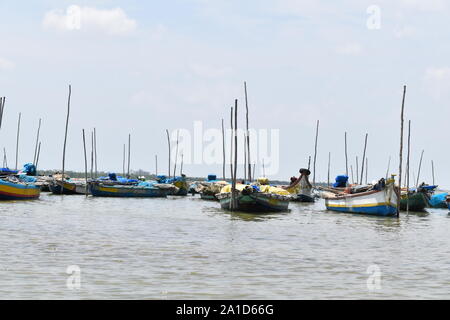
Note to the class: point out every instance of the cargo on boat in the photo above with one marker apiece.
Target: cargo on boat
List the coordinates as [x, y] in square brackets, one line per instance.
[256, 199]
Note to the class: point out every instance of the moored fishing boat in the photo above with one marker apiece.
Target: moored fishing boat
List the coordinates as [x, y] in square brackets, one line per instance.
[256, 199]
[69, 186]
[448, 201]
[381, 200]
[18, 188]
[300, 188]
[180, 182]
[209, 188]
[414, 201]
[141, 190]
[439, 200]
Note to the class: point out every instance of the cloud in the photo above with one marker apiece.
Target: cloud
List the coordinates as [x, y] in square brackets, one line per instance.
[6, 64]
[405, 31]
[428, 5]
[352, 49]
[437, 81]
[110, 21]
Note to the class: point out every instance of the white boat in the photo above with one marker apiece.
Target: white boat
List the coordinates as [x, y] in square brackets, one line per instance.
[380, 200]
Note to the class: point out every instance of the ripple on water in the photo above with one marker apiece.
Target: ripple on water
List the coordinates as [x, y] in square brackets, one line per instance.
[186, 248]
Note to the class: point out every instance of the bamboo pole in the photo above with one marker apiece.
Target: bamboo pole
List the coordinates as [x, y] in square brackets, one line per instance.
[357, 170]
[432, 171]
[235, 153]
[95, 152]
[231, 144]
[168, 142]
[2, 108]
[5, 160]
[353, 178]
[37, 141]
[407, 166]
[92, 154]
[245, 158]
[176, 156]
[264, 168]
[401, 151]
[85, 165]
[388, 167]
[367, 168]
[37, 157]
[250, 175]
[181, 166]
[309, 163]
[315, 154]
[17, 140]
[156, 165]
[420, 167]
[65, 135]
[363, 158]
[329, 160]
[129, 155]
[223, 151]
[346, 155]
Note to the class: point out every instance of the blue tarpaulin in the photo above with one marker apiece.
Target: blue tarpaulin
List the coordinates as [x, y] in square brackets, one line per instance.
[341, 181]
[438, 200]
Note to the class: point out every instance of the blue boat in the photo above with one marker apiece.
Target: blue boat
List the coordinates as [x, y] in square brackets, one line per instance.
[141, 190]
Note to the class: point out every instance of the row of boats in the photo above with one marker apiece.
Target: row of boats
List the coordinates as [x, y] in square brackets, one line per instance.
[378, 198]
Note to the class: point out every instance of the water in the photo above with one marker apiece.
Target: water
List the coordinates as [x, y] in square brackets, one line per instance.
[187, 248]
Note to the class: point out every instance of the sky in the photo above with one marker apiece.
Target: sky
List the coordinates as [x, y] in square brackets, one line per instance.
[140, 68]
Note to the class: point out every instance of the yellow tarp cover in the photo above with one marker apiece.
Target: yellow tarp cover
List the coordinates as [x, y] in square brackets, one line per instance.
[265, 189]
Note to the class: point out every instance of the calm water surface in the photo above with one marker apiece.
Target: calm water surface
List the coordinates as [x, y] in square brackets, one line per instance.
[187, 248]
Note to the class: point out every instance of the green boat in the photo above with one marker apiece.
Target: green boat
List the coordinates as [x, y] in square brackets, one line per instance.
[417, 201]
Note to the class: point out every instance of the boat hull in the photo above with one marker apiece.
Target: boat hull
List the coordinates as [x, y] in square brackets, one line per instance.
[67, 188]
[255, 202]
[15, 191]
[127, 191]
[183, 188]
[210, 197]
[380, 203]
[416, 202]
[303, 198]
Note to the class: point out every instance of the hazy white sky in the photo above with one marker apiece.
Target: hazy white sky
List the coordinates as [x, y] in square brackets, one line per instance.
[141, 67]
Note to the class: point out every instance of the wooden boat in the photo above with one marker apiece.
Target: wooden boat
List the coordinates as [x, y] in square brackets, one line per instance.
[381, 200]
[209, 189]
[210, 197]
[448, 201]
[179, 182]
[303, 198]
[250, 199]
[68, 187]
[14, 189]
[99, 189]
[415, 201]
